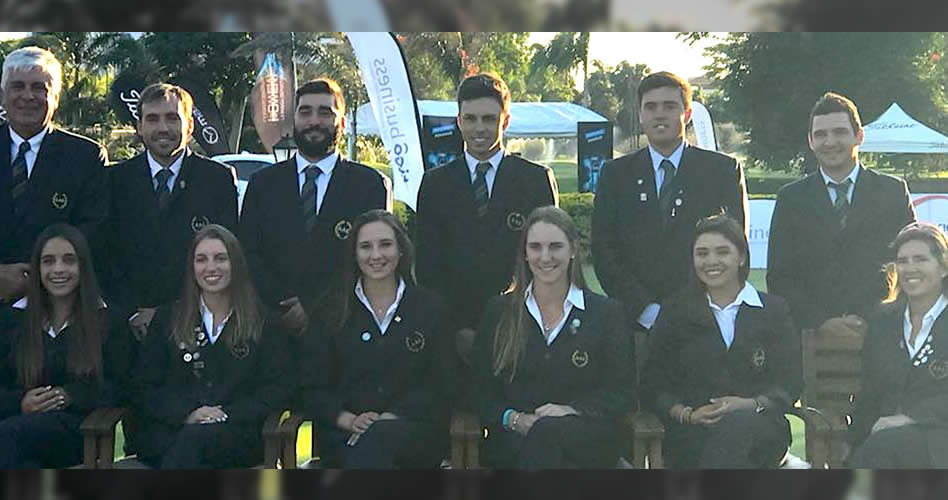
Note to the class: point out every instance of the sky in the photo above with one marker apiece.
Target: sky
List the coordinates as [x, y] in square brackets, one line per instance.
[661, 51]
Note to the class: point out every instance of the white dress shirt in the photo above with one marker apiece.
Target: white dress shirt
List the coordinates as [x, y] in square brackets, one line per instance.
[726, 317]
[156, 167]
[674, 158]
[927, 322]
[35, 142]
[853, 174]
[326, 165]
[491, 172]
[52, 332]
[574, 298]
[386, 320]
[208, 318]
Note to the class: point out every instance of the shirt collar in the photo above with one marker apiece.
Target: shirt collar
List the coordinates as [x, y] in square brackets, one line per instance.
[494, 160]
[937, 308]
[156, 167]
[326, 165]
[574, 296]
[207, 317]
[853, 174]
[34, 141]
[748, 295]
[23, 302]
[675, 157]
[360, 292]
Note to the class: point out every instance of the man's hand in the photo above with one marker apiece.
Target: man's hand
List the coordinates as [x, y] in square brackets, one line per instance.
[13, 280]
[709, 414]
[294, 316]
[42, 399]
[848, 325]
[140, 321]
[891, 422]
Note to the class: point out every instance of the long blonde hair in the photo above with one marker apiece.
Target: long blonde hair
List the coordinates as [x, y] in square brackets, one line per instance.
[247, 318]
[510, 336]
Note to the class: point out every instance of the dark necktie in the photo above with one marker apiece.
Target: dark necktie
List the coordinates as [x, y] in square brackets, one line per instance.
[841, 206]
[19, 175]
[481, 196]
[162, 190]
[308, 197]
[664, 196]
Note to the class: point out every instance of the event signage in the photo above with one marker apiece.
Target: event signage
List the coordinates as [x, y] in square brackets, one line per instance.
[593, 148]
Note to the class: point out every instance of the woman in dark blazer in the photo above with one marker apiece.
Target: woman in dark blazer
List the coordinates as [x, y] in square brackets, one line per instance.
[724, 361]
[373, 357]
[901, 414]
[58, 356]
[554, 361]
[212, 368]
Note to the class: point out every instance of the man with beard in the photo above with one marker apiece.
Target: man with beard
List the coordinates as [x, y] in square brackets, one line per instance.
[160, 198]
[298, 213]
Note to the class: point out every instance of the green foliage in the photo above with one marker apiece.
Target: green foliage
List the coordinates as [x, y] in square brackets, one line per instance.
[612, 93]
[580, 207]
[769, 82]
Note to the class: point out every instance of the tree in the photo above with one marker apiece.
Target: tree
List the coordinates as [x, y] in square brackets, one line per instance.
[612, 93]
[769, 82]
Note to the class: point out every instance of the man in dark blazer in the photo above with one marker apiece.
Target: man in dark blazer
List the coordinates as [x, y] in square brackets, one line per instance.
[648, 202]
[830, 231]
[298, 213]
[472, 210]
[47, 175]
[160, 198]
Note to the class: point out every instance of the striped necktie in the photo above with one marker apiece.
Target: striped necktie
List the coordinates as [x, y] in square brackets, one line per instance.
[481, 195]
[161, 189]
[19, 176]
[308, 197]
[841, 205]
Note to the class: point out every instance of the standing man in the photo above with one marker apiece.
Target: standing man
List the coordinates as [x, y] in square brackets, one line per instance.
[47, 175]
[648, 202]
[472, 210]
[298, 213]
[160, 198]
[830, 231]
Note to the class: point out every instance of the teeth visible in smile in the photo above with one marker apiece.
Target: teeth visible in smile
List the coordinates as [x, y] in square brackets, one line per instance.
[58, 280]
[212, 279]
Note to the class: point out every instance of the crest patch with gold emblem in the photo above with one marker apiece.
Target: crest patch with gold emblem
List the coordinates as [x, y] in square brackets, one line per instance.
[60, 200]
[938, 369]
[198, 222]
[415, 341]
[515, 221]
[342, 229]
[580, 358]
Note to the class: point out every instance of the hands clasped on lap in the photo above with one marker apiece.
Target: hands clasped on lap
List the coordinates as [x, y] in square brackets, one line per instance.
[522, 422]
[207, 415]
[46, 398]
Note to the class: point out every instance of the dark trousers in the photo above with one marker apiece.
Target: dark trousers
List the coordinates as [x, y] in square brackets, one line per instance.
[904, 447]
[211, 446]
[40, 440]
[743, 439]
[388, 444]
[571, 442]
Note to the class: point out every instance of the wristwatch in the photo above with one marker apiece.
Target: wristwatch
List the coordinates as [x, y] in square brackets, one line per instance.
[760, 407]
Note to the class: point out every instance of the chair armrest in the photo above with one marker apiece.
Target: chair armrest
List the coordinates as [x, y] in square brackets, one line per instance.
[466, 435]
[272, 444]
[289, 431]
[98, 437]
[647, 435]
[826, 434]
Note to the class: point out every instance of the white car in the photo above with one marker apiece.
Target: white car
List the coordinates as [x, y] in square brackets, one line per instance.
[245, 164]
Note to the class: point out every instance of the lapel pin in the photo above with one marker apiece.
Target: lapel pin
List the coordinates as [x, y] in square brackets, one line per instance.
[639, 182]
[398, 319]
[643, 197]
[187, 357]
[677, 202]
[366, 336]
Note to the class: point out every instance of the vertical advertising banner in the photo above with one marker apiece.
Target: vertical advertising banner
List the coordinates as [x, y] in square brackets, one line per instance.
[593, 148]
[441, 140]
[3, 115]
[209, 129]
[393, 103]
[271, 98]
[703, 126]
[124, 94]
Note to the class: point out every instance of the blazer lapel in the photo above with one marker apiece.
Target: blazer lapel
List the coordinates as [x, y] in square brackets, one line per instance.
[5, 159]
[819, 202]
[183, 180]
[461, 177]
[864, 193]
[334, 199]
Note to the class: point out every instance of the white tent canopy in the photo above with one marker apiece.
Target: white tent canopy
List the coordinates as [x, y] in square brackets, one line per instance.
[527, 119]
[897, 132]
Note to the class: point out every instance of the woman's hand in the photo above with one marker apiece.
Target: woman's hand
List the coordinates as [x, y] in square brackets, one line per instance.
[734, 403]
[708, 414]
[387, 415]
[363, 421]
[555, 410]
[207, 415]
[521, 423]
[891, 422]
[45, 398]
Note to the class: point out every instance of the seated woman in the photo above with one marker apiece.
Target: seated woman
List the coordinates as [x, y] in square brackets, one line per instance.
[211, 368]
[373, 357]
[724, 361]
[57, 355]
[554, 361]
[901, 415]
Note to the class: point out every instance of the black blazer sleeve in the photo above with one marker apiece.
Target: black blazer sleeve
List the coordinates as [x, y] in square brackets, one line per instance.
[787, 382]
[735, 197]
[11, 394]
[607, 221]
[320, 398]
[227, 196]
[660, 377]
[252, 222]
[490, 388]
[781, 257]
[616, 393]
[429, 263]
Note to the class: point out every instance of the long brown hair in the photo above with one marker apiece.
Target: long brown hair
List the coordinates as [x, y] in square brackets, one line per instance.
[335, 305]
[85, 331]
[246, 322]
[931, 235]
[510, 336]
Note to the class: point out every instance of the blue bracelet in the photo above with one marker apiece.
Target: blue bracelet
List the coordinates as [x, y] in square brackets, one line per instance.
[505, 420]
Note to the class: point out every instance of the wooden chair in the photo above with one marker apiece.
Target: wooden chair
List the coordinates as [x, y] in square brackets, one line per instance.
[647, 433]
[288, 431]
[832, 365]
[98, 434]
